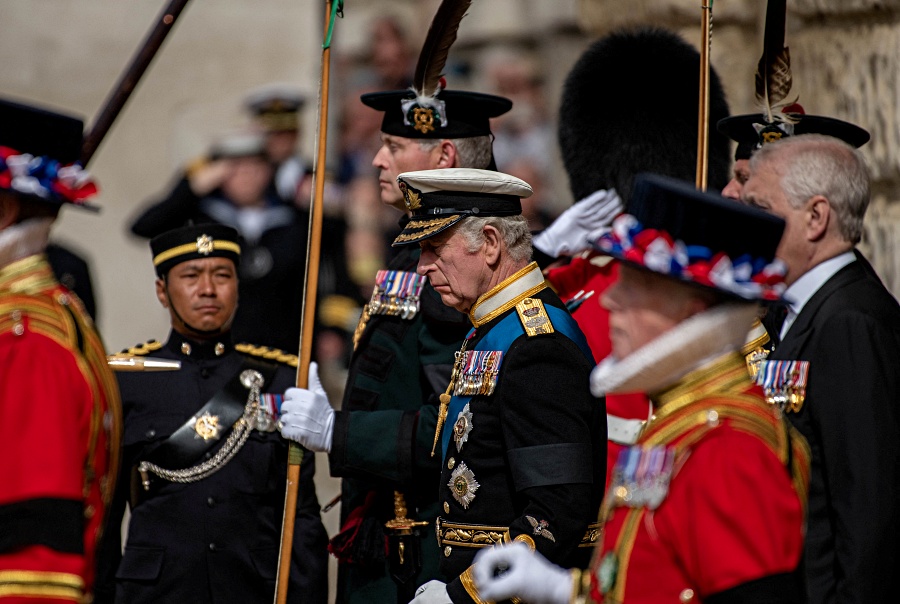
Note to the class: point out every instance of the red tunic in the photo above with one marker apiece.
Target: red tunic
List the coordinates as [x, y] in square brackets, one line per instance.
[59, 438]
[734, 510]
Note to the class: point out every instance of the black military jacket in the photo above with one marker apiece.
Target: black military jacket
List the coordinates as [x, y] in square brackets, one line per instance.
[528, 462]
[216, 540]
[384, 432]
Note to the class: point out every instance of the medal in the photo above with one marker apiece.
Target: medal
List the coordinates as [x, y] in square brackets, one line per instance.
[607, 572]
[784, 383]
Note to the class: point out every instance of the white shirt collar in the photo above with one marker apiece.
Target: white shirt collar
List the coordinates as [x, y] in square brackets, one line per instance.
[801, 290]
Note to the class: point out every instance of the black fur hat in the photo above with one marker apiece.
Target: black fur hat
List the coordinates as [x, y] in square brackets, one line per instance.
[630, 105]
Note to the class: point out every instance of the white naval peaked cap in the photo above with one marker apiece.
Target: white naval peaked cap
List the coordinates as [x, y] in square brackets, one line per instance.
[438, 199]
[466, 180]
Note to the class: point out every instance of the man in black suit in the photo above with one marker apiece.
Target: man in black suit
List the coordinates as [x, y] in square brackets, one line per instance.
[844, 328]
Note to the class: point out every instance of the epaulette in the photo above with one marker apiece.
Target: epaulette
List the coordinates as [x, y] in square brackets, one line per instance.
[756, 347]
[270, 354]
[142, 349]
[534, 317]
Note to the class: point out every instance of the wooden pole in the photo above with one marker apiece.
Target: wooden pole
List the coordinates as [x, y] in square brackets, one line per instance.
[311, 283]
[129, 79]
[703, 113]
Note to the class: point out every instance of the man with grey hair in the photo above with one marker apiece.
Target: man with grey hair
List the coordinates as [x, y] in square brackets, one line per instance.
[836, 365]
[520, 438]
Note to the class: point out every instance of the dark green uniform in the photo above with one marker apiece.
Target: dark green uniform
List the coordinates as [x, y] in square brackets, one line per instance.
[383, 437]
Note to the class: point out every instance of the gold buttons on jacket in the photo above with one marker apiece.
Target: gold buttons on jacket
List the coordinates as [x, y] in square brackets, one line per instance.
[446, 508]
[686, 596]
[450, 463]
[185, 348]
[447, 551]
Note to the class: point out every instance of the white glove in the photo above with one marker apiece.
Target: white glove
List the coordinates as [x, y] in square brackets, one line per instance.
[433, 592]
[575, 228]
[307, 416]
[522, 573]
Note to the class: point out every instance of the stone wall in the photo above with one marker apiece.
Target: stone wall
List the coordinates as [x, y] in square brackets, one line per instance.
[845, 57]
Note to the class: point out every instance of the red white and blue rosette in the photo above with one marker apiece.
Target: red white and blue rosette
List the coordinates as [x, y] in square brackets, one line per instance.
[45, 178]
[745, 276]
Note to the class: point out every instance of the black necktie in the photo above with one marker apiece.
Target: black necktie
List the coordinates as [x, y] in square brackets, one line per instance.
[774, 321]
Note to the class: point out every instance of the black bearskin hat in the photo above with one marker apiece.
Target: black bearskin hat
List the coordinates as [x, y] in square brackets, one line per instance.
[630, 105]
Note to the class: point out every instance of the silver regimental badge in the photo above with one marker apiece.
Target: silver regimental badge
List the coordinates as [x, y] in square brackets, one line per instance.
[463, 485]
[540, 528]
[204, 245]
[462, 427]
[252, 379]
[207, 426]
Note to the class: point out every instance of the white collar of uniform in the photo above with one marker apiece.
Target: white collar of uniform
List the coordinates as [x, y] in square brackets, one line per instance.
[801, 290]
[507, 293]
[668, 358]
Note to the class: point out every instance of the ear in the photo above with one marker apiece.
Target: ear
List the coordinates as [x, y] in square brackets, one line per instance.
[448, 155]
[491, 246]
[10, 207]
[818, 217]
[161, 294]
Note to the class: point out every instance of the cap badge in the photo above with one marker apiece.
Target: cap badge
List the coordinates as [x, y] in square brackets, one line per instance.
[412, 197]
[205, 245]
[423, 119]
[423, 114]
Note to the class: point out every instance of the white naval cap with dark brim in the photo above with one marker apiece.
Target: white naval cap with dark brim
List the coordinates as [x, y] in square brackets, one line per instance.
[438, 199]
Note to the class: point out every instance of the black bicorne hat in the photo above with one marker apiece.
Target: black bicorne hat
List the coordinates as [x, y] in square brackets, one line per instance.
[193, 242]
[449, 114]
[438, 199]
[39, 151]
[630, 105]
[752, 131]
[699, 238]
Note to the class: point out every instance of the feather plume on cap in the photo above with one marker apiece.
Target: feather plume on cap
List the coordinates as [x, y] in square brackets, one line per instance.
[773, 73]
[433, 57]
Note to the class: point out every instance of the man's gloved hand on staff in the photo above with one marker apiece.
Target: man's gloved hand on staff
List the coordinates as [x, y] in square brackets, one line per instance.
[581, 224]
[522, 574]
[307, 416]
[433, 592]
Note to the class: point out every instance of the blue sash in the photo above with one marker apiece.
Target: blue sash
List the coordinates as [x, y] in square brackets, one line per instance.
[501, 337]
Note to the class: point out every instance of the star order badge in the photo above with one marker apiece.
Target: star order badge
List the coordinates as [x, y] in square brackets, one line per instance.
[462, 427]
[463, 485]
[207, 426]
[204, 245]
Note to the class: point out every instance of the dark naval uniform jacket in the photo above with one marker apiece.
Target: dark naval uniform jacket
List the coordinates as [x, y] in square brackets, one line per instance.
[524, 443]
[215, 540]
[384, 432]
[849, 332]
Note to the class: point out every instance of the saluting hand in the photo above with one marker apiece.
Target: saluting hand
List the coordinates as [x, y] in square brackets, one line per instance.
[307, 416]
[579, 226]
